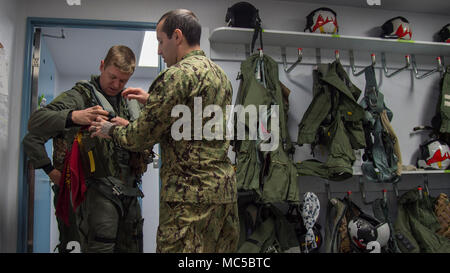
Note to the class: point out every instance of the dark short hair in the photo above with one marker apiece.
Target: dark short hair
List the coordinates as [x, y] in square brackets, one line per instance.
[186, 21]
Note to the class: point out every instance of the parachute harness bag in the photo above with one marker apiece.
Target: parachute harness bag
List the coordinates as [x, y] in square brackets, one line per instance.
[245, 15]
[382, 153]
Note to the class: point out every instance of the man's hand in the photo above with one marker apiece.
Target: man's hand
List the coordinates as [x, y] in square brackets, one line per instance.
[55, 176]
[119, 121]
[88, 115]
[135, 93]
[100, 128]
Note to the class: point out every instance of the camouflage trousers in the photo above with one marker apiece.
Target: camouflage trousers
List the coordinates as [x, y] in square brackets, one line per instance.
[197, 228]
[108, 223]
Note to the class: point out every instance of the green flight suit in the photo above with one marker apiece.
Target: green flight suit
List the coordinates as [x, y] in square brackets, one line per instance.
[441, 121]
[107, 221]
[334, 119]
[196, 175]
[416, 225]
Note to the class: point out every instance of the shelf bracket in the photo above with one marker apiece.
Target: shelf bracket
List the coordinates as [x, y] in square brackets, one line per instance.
[283, 57]
[383, 61]
[439, 68]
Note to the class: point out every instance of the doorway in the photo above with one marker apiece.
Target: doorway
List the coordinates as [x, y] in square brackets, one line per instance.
[58, 53]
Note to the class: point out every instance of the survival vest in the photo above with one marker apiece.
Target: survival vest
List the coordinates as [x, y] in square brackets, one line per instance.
[333, 119]
[382, 159]
[340, 212]
[417, 226]
[263, 228]
[269, 174]
[441, 120]
[99, 157]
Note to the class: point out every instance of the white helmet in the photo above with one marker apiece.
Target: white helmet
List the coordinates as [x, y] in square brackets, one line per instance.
[364, 230]
[322, 20]
[434, 154]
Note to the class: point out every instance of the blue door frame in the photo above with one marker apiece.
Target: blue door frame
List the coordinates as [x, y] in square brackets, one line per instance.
[32, 23]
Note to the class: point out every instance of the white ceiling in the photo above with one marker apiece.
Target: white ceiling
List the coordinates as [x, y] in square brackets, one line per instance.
[422, 6]
[79, 54]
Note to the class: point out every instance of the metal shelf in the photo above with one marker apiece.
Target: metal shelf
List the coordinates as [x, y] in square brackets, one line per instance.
[233, 35]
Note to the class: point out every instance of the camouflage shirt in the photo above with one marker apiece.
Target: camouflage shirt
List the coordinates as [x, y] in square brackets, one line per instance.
[197, 171]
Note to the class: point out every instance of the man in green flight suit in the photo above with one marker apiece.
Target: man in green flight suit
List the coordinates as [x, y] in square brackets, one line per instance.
[198, 207]
[109, 216]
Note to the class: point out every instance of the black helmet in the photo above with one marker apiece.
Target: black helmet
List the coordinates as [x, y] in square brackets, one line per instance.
[245, 15]
[242, 14]
[322, 20]
[396, 28]
[444, 34]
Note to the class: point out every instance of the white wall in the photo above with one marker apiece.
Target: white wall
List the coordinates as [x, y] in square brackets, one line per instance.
[401, 90]
[8, 194]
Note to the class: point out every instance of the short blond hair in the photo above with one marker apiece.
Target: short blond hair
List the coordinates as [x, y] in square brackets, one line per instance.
[121, 57]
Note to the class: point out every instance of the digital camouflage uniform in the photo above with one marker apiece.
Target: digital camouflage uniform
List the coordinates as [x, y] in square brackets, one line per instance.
[198, 209]
[108, 220]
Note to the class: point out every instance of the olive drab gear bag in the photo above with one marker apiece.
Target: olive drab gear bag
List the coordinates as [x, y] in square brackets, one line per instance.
[263, 228]
[334, 120]
[417, 226]
[381, 159]
[441, 120]
[268, 173]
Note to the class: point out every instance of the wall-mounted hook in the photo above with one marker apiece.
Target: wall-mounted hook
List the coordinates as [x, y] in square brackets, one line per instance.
[261, 54]
[299, 59]
[336, 55]
[420, 190]
[349, 193]
[425, 183]
[383, 61]
[395, 187]
[439, 68]
[352, 63]
[327, 190]
[318, 56]
[363, 191]
[384, 191]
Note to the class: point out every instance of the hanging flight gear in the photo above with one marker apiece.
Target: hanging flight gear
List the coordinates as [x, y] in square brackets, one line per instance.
[444, 34]
[350, 230]
[263, 228]
[441, 121]
[442, 211]
[294, 216]
[434, 154]
[382, 158]
[322, 20]
[310, 213]
[333, 119]
[269, 174]
[416, 225]
[380, 210]
[396, 28]
[245, 15]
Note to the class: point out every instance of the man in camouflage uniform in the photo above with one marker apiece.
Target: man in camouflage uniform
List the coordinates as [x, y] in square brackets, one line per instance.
[109, 219]
[198, 207]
